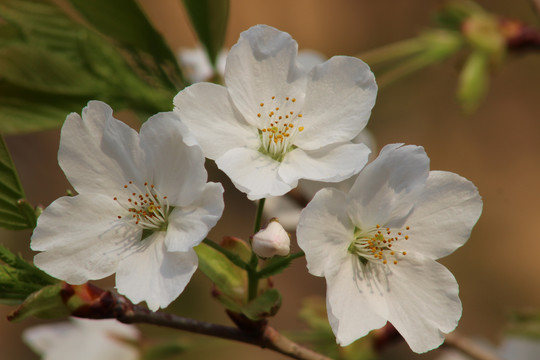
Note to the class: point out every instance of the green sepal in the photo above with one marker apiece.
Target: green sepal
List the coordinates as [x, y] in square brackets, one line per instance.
[263, 306]
[209, 18]
[45, 303]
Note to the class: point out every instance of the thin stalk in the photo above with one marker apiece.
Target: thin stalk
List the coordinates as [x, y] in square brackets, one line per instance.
[258, 216]
[393, 51]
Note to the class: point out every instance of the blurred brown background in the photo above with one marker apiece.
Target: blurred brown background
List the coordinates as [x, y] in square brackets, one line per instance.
[497, 147]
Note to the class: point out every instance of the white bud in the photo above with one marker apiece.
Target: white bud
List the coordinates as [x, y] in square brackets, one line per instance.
[272, 240]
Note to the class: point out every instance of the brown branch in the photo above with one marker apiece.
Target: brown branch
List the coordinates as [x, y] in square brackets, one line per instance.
[468, 347]
[269, 338]
[96, 303]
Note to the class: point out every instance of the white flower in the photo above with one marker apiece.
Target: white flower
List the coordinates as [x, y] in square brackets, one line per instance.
[276, 123]
[271, 241]
[196, 65]
[143, 203]
[288, 210]
[84, 339]
[377, 245]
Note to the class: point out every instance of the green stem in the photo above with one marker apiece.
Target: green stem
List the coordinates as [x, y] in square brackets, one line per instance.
[392, 52]
[258, 217]
[253, 276]
[234, 258]
[253, 284]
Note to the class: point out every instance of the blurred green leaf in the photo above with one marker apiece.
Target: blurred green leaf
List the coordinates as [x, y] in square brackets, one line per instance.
[37, 69]
[453, 13]
[12, 216]
[209, 18]
[473, 80]
[45, 303]
[18, 278]
[51, 65]
[126, 23]
[263, 306]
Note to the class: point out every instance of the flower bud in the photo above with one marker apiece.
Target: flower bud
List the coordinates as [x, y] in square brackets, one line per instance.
[272, 240]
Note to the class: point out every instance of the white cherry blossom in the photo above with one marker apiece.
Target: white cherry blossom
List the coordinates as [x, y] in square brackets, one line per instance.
[275, 122]
[84, 339]
[143, 203]
[377, 244]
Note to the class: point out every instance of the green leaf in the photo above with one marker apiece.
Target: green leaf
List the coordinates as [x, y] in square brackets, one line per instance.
[13, 214]
[230, 279]
[132, 30]
[40, 70]
[18, 278]
[277, 264]
[263, 306]
[209, 18]
[45, 303]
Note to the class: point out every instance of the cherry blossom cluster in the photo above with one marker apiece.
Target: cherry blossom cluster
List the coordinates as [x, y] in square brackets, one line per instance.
[143, 201]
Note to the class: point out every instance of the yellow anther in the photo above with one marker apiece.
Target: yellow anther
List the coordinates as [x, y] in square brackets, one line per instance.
[258, 115]
[301, 128]
[293, 100]
[262, 104]
[287, 98]
[404, 253]
[395, 262]
[299, 115]
[273, 97]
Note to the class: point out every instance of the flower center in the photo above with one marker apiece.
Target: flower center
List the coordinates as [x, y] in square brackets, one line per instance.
[146, 207]
[279, 121]
[375, 245]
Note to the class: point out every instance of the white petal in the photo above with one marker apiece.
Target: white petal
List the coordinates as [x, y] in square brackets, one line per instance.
[332, 163]
[339, 97]
[189, 225]
[153, 274]
[253, 173]
[208, 113]
[178, 169]
[324, 231]
[309, 58]
[387, 189]
[41, 338]
[90, 346]
[444, 215]
[99, 153]
[82, 238]
[261, 65]
[107, 326]
[352, 303]
[422, 301]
